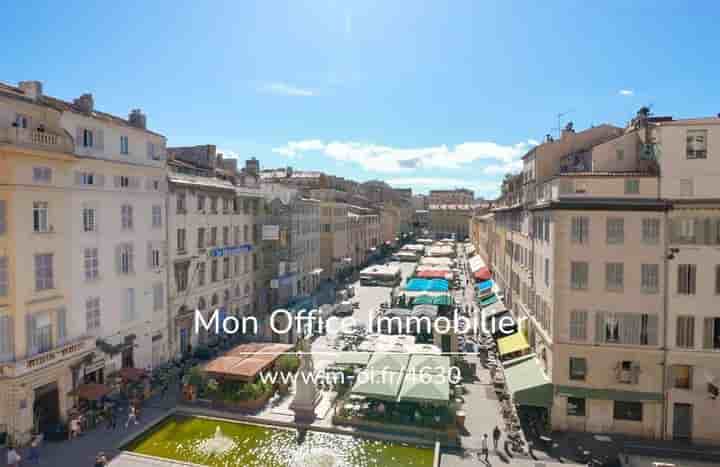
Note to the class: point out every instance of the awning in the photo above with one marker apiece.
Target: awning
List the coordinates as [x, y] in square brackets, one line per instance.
[91, 391]
[132, 374]
[485, 285]
[430, 311]
[384, 385]
[434, 274]
[609, 394]
[388, 361]
[419, 388]
[528, 384]
[487, 301]
[482, 274]
[429, 364]
[512, 344]
[352, 359]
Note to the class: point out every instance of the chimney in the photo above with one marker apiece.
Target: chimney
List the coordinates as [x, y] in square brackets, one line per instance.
[252, 167]
[32, 89]
[567, 131]
[137, 119]
[85, 103]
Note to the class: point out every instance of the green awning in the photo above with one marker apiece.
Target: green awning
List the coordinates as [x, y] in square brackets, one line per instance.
[417, 387]
[384, 385]
[528, 384]
[391, 361]
[352, 359]
[609, 394]
[429, 364]
[489, 300]
[443, 300]
[423, 300]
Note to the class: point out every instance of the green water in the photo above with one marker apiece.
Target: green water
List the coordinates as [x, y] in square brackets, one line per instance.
[184, 438]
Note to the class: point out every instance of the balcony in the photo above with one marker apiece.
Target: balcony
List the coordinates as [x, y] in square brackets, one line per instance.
[601, 186]
[44, 140]
[76, 348]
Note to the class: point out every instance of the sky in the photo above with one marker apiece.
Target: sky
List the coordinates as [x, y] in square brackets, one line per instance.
[436, 94]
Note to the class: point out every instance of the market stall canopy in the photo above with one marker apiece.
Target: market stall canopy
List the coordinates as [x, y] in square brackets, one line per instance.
[528, 384]
[476, 263]
[436, 261]
[243, 364]
[487, 301]
[417, 387]
[513, 343]
[352, 359]
[91, 391]
[482, 274]
[485, 285]
[389, 361]
[383, 385]
[432, 364]
[434, 274]
[430, 311]
[132, 374]
[439, 300]
[427, 285]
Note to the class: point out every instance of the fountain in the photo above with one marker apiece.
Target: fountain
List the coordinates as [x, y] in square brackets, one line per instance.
[306, 394]
[217, 445]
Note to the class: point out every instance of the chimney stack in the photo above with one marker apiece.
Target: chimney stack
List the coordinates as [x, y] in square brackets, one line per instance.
[567, 131]
[137, 119]
[85, 103]
[32, 89]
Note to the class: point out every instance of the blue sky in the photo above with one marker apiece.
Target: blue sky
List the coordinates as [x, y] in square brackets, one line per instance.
[421, 94]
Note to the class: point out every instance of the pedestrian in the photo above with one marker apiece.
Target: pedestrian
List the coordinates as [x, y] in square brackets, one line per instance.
[496, 437]
[13, 458]
[74, 427]
[132, 416]
[484, 451]
[113, 418]
[34, 454]
[100, 460]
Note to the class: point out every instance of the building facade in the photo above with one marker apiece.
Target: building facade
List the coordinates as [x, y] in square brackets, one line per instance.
[448, 220]
[455, 197]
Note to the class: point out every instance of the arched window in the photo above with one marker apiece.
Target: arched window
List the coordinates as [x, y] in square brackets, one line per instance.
[237, 290]
[201, 303]
[247, 290]
[214, 300]
[226, 296]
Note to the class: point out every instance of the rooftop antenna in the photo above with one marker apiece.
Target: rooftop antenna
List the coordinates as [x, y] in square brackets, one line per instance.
[559, 121]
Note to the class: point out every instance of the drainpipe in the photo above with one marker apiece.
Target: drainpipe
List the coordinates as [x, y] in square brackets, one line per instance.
[666, 291]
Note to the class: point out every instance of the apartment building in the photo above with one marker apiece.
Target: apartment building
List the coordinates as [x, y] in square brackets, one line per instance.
[213, 238]
[456, 196]
[334, 247]
[448, 220]
[364, 234]
[82, 192]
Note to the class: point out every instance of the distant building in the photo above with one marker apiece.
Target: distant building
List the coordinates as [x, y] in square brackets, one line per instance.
[458, 196]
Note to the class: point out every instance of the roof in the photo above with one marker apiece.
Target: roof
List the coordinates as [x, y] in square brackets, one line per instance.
[576, 142]
[246, 361]
[388, 361]
[429, 364]
[352, 358]
[384, 385]
[417, 387]
[528, 384]
[512, 344]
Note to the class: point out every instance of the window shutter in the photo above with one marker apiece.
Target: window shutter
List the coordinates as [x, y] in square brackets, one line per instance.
[599, 327]
[652, 329]
[118, 254]
[79, 137]
[635, 372]
[3, 216]
[99, 142]
[149, 150]
[62, 324]
[78, 178]
[117, 181]
[30, 334]
[149, 254]
[135, 182]
[131, 254]
[100, 179]
[6, 338]
[708, 333]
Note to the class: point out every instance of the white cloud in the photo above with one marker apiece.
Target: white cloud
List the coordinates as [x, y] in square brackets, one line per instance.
[501, 169]
[285, 89]
[626, 92]
[380, 158]
[228, 153]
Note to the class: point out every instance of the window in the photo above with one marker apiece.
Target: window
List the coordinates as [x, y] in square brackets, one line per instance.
[686, 187]
[236, 235]
[246, 264]
[201, 238]
[126, 217]
[213, 236]
[124, 181]
[214, 270]
[615, 230]
[580, 230]
[631, 411]
[579, 272]
[614, 273]
[124, 145]
[696, 147]
[158, 298]
[681, 376]
[154, 261]
[711, 333]
[126, 260]
[245, 233]
[21, 121]
[181, 240]
[627, 328]
[129, 304]
[213, 205]
[89, 218]
[181, 276]
[180, 200]
[152, 151]
[42, 174]
[201, 202]
[620, 153]
[4, 277]
[236, 265]
[547, 272]
[7, 351]
[578, 325]
[226, 268]
[40, 332]
[717, 279]
[683, 230]
[226, 236]
[651, 231]
[685, 332]
[255, 262]
[632, 186]
[87, 179]
[576, 406]
[92, 314]
[649, 274]
[43, 272]
[87, 138]
[157, 220]
[686, 279]
[578, 369]
[3, 216]
[201, 274]
[40, 217]
[92, 271]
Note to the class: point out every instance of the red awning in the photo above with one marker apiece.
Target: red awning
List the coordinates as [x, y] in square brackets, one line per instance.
[433, 274]
[132, 374]
[483, 274]
[91, 391]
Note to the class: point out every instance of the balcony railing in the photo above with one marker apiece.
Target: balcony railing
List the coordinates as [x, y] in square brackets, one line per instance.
[37, 139]
[75, 348]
